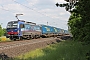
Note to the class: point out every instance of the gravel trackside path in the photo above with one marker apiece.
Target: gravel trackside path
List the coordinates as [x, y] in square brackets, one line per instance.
[16, 48]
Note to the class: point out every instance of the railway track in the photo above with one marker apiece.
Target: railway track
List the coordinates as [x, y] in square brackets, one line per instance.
[21, 43]
[8, 45]
[15, 48]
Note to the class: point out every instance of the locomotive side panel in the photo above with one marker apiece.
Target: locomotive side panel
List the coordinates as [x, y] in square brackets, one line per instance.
[31, 31]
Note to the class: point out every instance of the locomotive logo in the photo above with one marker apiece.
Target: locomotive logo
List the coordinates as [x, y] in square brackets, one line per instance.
[48, 29]
[55, 29]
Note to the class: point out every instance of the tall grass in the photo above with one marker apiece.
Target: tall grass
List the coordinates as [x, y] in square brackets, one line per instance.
[68, 50]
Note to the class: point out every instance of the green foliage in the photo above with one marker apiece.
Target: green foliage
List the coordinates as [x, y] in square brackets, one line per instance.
[75, 24]
[79, 20]
[1, 31]
[33, 54]
[0, 39]
[4, 31]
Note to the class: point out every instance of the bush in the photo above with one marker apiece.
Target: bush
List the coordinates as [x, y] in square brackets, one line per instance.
[1, 31]
[3, 38]
[0, 39]
[68, 50]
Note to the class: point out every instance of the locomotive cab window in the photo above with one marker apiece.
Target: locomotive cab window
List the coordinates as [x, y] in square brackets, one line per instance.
[22, 26]
[12, 24]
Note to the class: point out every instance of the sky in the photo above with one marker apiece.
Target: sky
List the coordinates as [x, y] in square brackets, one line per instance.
[37, 11]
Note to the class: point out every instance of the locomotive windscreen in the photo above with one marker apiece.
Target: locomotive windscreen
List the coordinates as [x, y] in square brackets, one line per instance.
[12, 24]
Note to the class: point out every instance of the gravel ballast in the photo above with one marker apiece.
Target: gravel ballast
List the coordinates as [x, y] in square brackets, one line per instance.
[29, 45]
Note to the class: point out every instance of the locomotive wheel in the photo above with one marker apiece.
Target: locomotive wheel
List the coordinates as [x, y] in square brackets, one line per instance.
[36, 36]
[28, 38]
[20, 38]
[13, 39]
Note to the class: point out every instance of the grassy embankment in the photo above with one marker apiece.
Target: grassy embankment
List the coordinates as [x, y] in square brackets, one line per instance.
[3, 39]
[68, 50]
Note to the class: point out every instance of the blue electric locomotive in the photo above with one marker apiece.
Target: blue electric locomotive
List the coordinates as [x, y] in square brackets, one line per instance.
[13, 29]
[21, 29]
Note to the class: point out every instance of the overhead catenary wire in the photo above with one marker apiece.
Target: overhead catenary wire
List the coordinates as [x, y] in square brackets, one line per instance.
[32, 9]
[27, 7]
[6, 9]
[37, 8]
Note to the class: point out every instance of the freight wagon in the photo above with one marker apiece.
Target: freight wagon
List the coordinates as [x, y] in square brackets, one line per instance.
[48, 31]
[45, 30]
[66, 32]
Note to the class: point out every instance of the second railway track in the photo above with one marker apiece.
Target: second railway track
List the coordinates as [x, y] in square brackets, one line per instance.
[21, 43]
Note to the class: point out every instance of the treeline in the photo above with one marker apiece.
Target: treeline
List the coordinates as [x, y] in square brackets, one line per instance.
[2, 31]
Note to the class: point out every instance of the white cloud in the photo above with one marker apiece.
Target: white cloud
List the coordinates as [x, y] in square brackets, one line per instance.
[13, 7]
[5, 1]
[32, 2]
[59, 1]
[62, 13]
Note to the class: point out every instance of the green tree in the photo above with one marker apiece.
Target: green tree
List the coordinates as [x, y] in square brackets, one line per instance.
[79, 20]
[1, 31]
[4, 31]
